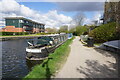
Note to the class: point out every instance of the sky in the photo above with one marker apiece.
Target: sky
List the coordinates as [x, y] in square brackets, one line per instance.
[52, 14]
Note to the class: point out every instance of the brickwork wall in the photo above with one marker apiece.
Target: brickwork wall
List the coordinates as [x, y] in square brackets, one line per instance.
[118, 14]
[42, 30]
[13, 29]
[36, 30]
[112, 11]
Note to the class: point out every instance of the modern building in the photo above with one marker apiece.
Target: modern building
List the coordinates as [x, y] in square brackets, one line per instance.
[20, 24]
[112, 12]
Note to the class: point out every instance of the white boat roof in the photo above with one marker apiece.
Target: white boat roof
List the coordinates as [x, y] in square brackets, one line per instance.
[53, 34]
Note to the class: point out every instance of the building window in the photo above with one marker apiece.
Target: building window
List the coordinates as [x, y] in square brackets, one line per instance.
[109, 10]
[13, 21]
[108, 20]
[41, 26]
[20, 21]
[26, 21]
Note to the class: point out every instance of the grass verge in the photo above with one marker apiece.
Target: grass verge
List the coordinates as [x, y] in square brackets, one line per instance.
[49, 66]
[21, 35]
[97, 44]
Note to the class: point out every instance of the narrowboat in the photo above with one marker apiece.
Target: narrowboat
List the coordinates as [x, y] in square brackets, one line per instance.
[40, 49]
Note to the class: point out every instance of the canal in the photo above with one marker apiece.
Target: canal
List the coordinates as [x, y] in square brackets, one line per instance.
[14, 63]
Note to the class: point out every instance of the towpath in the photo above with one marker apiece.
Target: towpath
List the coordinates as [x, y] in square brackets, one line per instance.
[84, 62]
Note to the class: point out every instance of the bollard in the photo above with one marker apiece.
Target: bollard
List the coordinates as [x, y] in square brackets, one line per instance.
[90, 42]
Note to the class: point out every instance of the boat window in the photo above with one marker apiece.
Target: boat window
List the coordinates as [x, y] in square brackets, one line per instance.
[44, 40]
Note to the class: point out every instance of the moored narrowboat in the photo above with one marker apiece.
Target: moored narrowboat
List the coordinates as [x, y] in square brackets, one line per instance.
[40, 49]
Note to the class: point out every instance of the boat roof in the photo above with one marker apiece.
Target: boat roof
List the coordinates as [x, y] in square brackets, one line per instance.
[54, 35]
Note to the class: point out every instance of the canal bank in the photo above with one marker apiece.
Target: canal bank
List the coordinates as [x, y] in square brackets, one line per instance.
[18, 37]
[52, 64]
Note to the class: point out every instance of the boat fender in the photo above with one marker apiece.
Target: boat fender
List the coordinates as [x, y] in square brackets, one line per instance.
[51, 42]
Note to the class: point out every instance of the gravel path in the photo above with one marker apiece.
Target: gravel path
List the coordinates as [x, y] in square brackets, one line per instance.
[84, 62]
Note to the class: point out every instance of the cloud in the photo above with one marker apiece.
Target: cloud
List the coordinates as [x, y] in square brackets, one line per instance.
[88, 21]
[96, 17]
[8, 6]
[51, 19]
[81, 6]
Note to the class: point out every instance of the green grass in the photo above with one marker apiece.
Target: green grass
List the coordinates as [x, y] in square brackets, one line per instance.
[98, 44]
[49, 66]
[21, 35]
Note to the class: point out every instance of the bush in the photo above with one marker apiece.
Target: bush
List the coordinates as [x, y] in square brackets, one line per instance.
[13, 33]
[80, 30]
[6, 33]
[105, 32]
[42, 33]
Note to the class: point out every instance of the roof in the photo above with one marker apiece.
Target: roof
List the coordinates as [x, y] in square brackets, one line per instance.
[23, 19]
[51, 35]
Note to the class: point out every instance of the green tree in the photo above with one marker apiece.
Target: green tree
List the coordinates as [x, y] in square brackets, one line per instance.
[81, 29]
[78, 30]
[51, 30]
[63, 29]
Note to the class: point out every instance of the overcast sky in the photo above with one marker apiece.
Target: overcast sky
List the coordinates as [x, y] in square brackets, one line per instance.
[53, 14]
[67, 0]
[81, 6]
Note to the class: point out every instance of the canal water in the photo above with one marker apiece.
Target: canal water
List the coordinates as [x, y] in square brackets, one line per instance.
[14, 63]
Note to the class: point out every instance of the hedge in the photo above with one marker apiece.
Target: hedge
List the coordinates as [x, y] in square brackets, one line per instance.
[13, 33]
[105, 32]
[43, 33]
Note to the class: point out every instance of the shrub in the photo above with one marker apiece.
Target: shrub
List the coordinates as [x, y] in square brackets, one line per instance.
[42, 33]
[7, 33]
[80, 30]
[13, 33]
[105, 32]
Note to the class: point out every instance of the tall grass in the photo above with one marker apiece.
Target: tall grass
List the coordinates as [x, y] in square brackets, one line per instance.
[49, 66]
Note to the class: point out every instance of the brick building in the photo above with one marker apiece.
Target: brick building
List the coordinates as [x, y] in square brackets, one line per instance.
[20, 24]
[112, 12]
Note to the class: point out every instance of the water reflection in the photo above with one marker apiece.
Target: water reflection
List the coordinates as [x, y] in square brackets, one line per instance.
[14, 63]
[31, 64]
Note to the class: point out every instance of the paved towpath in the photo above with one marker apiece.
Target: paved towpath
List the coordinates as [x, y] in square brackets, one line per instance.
[84, 62]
